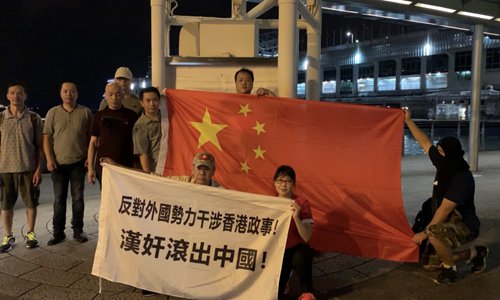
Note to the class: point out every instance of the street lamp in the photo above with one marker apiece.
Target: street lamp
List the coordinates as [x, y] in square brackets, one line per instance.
[349, 34]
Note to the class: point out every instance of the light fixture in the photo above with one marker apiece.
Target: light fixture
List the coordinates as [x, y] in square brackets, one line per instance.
[340, 10]
[491, 33]
[404, 2]
[357, 57]
[351, 35]
[454, 27]
[381, 16]
[435, 7]
[474, 15]
[497, 19]
[427, 49]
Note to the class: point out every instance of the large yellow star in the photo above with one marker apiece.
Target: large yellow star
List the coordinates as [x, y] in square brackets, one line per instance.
[259, 152]
[208, 130]
[245, 109]
[244, 167]
[259, 127]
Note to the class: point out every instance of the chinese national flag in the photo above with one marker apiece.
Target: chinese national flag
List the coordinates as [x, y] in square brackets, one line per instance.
[347, 159]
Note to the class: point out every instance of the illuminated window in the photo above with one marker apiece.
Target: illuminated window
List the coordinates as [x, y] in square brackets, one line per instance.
[410, 73]
[301, 83]
[463, 61]
[345, 79]
[365, 78]
[437, 72]
[386, 83]
[410, 82]
[493, 58]
[410, 66]
[329, 81]
[387, 75]
[436, 81]
[387, 68]
[437, 63]
[463, 65]
[366, 71]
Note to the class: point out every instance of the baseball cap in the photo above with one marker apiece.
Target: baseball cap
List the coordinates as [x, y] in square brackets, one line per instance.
[123, 72]
[204, 159]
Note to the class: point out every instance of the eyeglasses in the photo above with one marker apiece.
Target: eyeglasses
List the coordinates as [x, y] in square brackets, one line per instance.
[281, 181]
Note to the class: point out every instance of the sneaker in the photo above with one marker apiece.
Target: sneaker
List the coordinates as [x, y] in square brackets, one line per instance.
[7, 243]
[56, 239]
[307, 296]
[31, 241]
[447, 276]
[147, 293]
[80, 237]
[479, 262]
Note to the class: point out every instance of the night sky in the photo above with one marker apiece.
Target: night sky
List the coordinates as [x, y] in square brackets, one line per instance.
[46, 42]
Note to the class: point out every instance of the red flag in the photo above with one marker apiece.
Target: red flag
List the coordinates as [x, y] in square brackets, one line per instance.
[347, 159]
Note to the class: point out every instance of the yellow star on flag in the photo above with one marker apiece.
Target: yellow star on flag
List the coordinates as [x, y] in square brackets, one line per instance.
[244, 167]
[245, 109]
[259, 127]
[208, 130]
[259, 152]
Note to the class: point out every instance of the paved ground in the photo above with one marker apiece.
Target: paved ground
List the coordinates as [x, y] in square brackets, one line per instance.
[63, 271]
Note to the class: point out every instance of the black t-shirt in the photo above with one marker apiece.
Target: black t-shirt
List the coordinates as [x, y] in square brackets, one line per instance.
[114, 129]
[460, 190]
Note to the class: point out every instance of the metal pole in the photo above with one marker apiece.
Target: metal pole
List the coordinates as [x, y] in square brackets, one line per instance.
[158, 72]
[287, 62]
[313, 73]
[477, 56]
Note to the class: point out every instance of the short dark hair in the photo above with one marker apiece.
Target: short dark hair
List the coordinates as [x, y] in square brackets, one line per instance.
[68, 82]
[16, 83]
[150, 89]
[244, 70]
[284, 170]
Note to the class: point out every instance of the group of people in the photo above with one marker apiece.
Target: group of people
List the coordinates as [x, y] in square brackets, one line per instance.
[127, 131]
[69, 140]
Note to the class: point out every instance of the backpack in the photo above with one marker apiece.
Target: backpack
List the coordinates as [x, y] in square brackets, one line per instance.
[423, 217]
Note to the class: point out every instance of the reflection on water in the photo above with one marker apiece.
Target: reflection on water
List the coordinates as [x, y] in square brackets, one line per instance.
[490, 141]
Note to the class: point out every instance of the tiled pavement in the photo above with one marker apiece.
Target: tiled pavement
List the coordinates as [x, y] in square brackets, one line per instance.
[63, 271]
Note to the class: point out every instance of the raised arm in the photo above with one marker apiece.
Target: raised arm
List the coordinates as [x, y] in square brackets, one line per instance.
[422, 139]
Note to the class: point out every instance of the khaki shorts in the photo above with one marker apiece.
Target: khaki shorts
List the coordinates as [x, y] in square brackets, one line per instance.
[453, 232]
[13, 183]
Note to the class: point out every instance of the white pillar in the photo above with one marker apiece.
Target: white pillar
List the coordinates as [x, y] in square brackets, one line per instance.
[158, 29]
[313, 73]
[475, 105]
[287, 62]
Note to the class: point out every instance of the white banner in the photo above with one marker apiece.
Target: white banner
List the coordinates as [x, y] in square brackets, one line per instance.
[189, 240]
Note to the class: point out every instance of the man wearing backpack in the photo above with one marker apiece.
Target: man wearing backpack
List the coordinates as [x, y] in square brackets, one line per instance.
[454, 221]
[20, 163]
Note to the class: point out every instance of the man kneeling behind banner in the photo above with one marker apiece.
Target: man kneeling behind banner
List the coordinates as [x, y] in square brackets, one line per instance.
[189, 240]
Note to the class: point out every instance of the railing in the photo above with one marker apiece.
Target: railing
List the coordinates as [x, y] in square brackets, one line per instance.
[461, 127]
